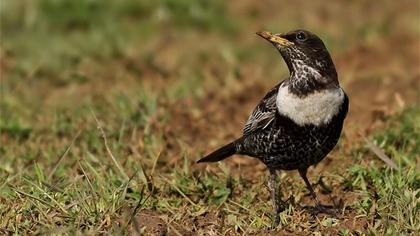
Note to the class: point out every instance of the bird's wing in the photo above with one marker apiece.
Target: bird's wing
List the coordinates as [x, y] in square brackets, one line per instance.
[263, 114]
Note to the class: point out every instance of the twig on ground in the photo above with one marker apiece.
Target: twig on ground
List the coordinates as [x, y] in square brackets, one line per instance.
[63, 156]
[120, 169]
[381, 154]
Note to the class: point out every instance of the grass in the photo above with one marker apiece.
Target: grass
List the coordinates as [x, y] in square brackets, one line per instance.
[391, 197]
[105, 106]
[86, 193]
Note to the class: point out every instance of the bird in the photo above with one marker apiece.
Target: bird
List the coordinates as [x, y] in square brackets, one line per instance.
[300, 120]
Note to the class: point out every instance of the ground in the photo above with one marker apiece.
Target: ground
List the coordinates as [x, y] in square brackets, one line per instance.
[106, 106]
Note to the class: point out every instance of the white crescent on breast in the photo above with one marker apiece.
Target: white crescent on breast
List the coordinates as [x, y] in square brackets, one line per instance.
[316, 109]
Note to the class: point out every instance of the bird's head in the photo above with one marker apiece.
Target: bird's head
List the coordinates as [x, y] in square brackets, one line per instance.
[305, 55]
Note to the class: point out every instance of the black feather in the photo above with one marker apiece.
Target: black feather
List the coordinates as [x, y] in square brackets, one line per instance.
[220, 154]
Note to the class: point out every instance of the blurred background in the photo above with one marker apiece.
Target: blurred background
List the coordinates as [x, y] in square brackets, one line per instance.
[59, 57]
[176, 79]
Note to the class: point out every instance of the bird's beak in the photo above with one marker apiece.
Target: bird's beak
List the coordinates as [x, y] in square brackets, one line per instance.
[274, 38]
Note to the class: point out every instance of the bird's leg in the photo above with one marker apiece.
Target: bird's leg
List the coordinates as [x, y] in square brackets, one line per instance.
[302, 173]
[318, 206]
[272, 183]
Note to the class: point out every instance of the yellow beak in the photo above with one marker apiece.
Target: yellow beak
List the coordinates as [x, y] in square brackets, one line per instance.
[274, 38]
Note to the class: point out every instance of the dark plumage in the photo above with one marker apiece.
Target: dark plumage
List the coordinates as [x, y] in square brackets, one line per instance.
[299, 121]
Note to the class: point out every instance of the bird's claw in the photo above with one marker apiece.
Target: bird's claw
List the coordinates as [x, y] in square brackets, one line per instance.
[276, 220]
[318, 208]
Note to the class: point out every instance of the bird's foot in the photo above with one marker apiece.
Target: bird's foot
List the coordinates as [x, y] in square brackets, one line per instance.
[319, 208]
[276, 221]
[276, 215]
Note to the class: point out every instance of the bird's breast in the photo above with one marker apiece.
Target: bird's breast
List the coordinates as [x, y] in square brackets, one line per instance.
[317, 108]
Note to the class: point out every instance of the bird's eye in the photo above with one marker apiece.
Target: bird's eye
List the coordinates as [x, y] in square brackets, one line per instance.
[301, 36]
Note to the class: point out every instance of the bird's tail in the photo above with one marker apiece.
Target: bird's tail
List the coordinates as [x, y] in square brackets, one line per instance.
[220, 154]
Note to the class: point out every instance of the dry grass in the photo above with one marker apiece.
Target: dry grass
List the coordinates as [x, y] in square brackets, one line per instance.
[106, 105]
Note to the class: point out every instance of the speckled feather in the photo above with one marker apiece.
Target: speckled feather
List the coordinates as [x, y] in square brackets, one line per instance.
[282, 144]
[264, 113]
